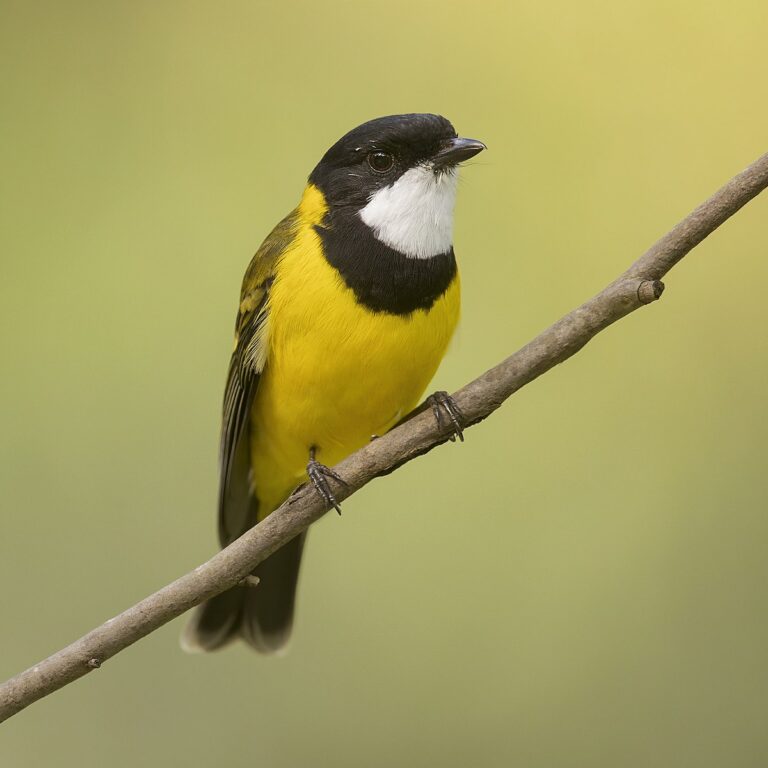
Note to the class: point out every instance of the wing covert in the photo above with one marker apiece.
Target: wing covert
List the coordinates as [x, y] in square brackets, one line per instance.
[237, 506]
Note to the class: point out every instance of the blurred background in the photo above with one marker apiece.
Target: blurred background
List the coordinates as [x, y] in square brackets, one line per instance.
[583, 582]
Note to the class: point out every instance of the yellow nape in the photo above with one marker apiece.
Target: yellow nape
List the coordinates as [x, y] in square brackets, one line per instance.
[312, 207]
[336, 372]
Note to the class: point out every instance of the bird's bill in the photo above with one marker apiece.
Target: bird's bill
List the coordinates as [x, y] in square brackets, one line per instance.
[456, 151]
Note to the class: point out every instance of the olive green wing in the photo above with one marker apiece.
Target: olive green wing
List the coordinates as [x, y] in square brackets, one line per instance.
[238, 507]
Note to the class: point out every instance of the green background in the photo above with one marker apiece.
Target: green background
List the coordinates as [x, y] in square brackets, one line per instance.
[583, 583]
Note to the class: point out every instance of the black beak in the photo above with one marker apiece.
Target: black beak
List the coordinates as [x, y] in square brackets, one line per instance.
[456, 151]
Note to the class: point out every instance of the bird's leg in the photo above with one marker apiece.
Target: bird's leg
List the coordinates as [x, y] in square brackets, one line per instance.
[318, 475]
[443, 405]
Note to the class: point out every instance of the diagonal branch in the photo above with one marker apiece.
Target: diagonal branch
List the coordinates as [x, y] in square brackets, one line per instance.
[638, 286]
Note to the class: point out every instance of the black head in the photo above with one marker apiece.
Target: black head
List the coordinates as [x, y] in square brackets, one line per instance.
[375, 154]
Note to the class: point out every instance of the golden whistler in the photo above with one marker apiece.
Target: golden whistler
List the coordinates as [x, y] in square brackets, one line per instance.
[346, 310]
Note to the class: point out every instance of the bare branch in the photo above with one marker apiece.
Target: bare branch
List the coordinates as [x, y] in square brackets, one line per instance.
[638, 286]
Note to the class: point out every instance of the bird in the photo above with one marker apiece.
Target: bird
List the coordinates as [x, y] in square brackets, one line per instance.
[346, 310]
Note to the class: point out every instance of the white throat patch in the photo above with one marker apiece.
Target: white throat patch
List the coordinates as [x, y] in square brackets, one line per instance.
[415, 214]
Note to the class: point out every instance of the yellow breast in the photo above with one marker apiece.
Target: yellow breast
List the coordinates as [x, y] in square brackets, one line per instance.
[336, 373]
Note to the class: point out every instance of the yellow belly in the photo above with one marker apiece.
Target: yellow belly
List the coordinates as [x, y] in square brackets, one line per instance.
[336, 373]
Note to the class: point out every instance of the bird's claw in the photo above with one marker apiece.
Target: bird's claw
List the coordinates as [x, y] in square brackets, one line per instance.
[443, 404]
[318, 475]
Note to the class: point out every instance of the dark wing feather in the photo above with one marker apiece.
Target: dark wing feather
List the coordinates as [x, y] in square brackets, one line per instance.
[219, 620]
[237, 506]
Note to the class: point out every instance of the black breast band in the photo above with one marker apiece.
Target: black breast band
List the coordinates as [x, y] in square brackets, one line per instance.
[383, 279]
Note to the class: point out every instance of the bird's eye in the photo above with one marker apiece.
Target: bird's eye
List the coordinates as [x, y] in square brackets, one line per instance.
[381, 162]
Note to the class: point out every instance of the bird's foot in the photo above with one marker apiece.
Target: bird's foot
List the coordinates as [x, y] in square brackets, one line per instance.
[444, 406]
[318, 475]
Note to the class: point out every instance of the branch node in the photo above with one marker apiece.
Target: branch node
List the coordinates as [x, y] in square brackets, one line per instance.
[649, 291]
[249, 581]
[93, 663]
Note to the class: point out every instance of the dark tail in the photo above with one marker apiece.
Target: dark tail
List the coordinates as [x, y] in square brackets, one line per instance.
[262, 615]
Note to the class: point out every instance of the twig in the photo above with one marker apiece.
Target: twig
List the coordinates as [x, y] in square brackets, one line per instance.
[638, 286]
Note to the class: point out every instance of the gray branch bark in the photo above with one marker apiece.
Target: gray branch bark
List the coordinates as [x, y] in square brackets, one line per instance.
[638, 286]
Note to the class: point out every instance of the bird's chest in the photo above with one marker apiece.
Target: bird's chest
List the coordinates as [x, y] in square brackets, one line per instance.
[338, 372]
